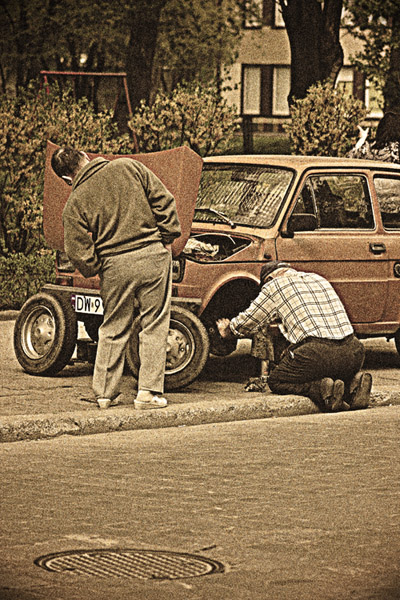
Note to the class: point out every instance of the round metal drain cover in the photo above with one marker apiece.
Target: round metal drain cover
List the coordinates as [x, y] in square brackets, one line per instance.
[140, 564]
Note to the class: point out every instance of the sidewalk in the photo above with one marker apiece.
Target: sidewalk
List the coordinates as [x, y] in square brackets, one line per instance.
[33, 408]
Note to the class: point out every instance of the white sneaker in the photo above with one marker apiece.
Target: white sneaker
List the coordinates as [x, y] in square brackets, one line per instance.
[154, 402]
[103, 402]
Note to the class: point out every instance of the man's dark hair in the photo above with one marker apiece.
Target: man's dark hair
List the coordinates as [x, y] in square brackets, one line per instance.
[270, 267]
[65, 162]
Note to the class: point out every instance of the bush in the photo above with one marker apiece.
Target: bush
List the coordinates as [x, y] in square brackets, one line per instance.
[22, 276]
[26, 123]
[324, 123]
[190, 115]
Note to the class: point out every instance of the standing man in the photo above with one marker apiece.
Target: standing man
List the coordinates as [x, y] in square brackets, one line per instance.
[119, 222]
[324, 357]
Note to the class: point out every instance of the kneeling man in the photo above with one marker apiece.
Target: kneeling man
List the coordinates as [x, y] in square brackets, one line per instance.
[324, 358]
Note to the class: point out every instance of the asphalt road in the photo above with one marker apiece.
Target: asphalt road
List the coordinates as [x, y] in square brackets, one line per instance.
[295, 508]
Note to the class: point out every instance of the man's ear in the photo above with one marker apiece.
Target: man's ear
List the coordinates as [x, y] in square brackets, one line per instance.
[67, 179]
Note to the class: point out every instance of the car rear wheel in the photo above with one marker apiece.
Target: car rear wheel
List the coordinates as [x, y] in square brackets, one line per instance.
[187, 349]
[397, 340]
[45, 334]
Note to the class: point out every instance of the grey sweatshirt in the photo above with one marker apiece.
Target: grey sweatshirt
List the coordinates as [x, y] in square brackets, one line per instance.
[114, 207]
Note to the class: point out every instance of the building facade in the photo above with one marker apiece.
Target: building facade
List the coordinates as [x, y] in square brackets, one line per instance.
[260, 79]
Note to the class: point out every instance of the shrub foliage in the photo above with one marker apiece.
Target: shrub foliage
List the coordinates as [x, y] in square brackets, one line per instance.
[22, 276]
[26, 123]
[324, 123]
[191, 115]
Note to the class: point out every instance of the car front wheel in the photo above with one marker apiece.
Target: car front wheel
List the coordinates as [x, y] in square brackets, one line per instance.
[187, 349]
[45, 334]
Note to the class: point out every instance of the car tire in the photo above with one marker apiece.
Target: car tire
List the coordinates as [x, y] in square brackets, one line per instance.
[397, 340]
[45, 334]
[188, 349]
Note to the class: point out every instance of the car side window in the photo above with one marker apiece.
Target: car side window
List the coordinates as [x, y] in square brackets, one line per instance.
[338, 201]
[388, 193]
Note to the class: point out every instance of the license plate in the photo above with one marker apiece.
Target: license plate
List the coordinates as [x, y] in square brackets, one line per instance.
[90, 305]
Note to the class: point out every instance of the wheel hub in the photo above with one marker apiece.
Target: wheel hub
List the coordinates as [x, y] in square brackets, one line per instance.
[177, 348]
[39, 335]
[180, 347]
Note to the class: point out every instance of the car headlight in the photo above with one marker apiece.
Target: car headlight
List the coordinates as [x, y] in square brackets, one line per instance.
[178, 269]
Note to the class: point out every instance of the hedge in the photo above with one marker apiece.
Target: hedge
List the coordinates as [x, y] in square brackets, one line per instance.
[22, 276]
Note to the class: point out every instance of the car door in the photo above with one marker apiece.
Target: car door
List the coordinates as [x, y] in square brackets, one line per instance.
[347, 247]
[387, 189]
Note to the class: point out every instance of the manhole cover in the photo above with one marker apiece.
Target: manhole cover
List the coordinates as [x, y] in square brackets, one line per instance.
[141, 564]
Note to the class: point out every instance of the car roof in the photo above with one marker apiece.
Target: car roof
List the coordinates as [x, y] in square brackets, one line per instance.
[300, 162]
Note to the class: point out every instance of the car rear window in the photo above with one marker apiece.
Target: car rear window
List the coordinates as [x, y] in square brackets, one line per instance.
[388, 193]
[244, 194]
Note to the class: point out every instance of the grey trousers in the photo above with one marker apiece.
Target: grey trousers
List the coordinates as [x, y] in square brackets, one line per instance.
[145, 275]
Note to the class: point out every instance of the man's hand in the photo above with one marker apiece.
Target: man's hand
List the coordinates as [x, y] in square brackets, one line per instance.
[224, 329]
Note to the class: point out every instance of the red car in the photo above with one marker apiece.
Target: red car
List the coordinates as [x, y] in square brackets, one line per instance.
[336, 217]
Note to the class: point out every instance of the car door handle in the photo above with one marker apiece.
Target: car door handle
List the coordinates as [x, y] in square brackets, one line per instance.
[377, 248]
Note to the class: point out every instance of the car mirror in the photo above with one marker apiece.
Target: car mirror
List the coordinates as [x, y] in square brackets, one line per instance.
[300, 222]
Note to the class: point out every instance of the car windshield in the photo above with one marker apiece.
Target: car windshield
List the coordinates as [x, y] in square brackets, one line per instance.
[242, 194]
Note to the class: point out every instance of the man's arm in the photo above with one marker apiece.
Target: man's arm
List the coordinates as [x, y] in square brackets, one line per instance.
[260, 312]
[163, 206]
[79, 245]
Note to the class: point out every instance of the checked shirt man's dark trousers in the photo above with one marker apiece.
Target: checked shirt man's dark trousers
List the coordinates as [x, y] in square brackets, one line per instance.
[304, 365]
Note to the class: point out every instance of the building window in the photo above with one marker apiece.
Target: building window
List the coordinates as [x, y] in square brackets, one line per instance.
[265, 89]
[259, 13]
[278, 18]
[251, 85]
[345, 80]
[281, 89]
[253, 18]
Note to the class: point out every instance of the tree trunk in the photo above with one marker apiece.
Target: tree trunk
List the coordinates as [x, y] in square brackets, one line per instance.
[316, 53]
[21, 42]
[391, 90]
[141, 49]
[331, 53]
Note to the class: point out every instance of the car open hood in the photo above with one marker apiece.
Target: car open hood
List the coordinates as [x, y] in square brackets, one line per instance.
[179, 169]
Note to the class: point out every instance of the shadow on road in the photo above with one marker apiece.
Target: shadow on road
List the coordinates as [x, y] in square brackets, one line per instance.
[380, 354]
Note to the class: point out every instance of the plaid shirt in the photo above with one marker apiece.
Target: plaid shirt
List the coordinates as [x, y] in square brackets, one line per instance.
[304, 305]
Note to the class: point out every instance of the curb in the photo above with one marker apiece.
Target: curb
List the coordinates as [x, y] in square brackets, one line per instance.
[47, 426]
[8, 315]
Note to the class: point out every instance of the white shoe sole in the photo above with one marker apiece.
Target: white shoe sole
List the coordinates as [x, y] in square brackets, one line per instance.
[156, 402]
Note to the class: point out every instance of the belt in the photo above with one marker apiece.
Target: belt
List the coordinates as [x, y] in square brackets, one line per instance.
[309, 339]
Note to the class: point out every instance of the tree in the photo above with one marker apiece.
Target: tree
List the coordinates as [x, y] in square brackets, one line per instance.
[172, 42]
[144, 21]
[196, 39]
[313, 28]
[159, 43]
[376, 23]
[62, 35]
